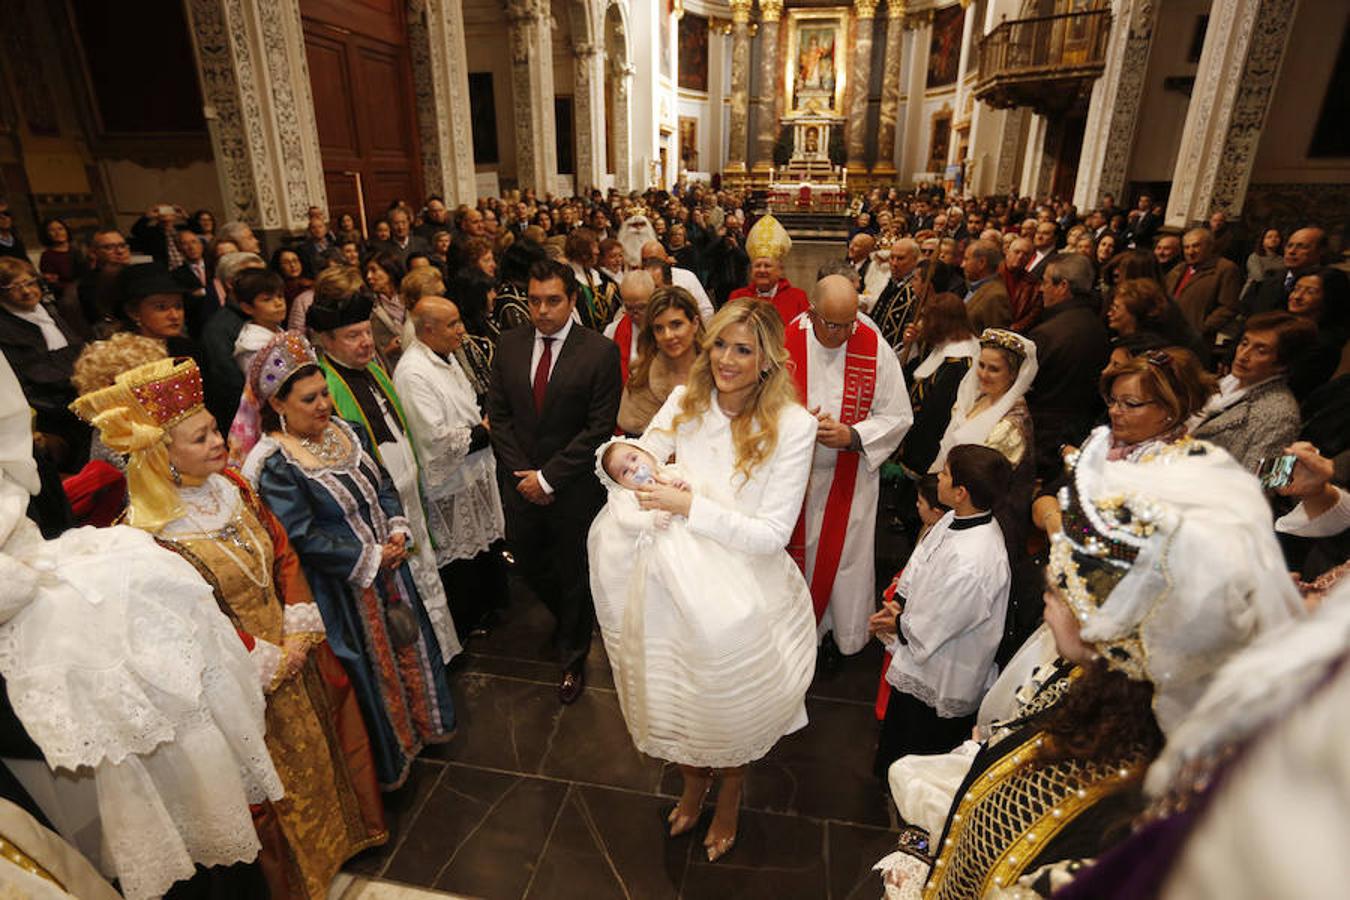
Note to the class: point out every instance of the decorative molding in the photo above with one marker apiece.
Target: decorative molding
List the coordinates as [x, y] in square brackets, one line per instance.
[740, 11]
[864, 9]
[1121, 98]
[222, 108]
[1244, 47]
[896, 9]
[770, 10]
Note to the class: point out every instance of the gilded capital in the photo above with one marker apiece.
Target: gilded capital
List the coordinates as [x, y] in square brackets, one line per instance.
[740, 11]
[864, 9]
[896, 9]
[771, 10]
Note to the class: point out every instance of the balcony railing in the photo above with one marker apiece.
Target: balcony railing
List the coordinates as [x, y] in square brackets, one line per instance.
[1047, 62]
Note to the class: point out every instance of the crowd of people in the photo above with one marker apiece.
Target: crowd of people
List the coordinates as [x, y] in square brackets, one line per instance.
[1059, 464]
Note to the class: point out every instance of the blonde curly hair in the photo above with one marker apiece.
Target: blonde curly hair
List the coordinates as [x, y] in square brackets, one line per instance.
[754, 431]
[101, 362]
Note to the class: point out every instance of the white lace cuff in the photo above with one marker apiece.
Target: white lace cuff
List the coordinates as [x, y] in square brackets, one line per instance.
[367, 565]
[267, 657]
[303, 617]
[399, 525]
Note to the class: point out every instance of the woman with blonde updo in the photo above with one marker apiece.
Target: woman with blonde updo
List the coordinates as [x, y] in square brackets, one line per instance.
[744, 442]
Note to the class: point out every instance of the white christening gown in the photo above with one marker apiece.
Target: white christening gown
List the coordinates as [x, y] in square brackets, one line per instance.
[708, 623]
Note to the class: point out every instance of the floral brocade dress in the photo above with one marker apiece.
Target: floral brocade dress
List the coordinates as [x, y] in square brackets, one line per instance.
[315, 734]
[338, 517]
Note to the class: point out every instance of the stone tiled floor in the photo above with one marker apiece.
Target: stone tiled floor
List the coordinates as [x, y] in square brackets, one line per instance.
[533, 799]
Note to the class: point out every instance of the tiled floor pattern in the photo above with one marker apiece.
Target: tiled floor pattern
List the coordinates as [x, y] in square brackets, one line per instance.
[536, 800]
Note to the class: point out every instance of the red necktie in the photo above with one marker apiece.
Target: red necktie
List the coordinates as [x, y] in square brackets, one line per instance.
[1185, 278]
[541, 374]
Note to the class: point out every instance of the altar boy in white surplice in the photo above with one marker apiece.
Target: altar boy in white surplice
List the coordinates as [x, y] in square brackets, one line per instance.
[848, 376]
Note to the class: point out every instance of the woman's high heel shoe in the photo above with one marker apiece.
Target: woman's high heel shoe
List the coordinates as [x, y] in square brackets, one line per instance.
[684, 823]
[720, 848]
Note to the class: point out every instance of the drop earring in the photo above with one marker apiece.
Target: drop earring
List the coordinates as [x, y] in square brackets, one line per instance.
[175, 475]
[282, 417]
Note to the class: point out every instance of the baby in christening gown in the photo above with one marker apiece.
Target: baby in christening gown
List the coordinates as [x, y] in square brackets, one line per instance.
[632, 467]
[676, 609]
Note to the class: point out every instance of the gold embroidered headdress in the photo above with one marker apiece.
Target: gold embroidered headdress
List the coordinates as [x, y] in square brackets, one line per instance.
[1170, 566]
[134, 416]
[768, 239]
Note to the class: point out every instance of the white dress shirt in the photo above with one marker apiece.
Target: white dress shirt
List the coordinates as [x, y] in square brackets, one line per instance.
[559, 337]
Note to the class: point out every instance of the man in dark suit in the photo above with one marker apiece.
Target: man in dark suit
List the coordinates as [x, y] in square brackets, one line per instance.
[156, 234]
[403, 242]
[553, 399]
[318, 242]
[1044, 243]
[1303, 252]
[201, 298]
[1072, 347]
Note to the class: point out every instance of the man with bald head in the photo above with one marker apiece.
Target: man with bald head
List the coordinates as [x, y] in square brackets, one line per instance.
[1303, 252]
[900, 300]
[636, 292]
[1206, 286]
[1024, 295]
[859, 253]
[459, 472]
[851, 382]
[681, 278]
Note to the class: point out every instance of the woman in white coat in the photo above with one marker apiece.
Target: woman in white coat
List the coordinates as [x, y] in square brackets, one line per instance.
[745, 442]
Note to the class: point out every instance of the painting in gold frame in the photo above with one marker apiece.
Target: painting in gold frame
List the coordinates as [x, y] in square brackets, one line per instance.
[817, 61]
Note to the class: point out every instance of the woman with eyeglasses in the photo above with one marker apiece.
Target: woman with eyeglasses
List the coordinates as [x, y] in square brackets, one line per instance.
[41, 348]
[1253, 415]
[1149, 400]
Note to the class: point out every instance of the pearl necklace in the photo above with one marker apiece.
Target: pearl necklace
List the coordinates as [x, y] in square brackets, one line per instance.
[330, 449]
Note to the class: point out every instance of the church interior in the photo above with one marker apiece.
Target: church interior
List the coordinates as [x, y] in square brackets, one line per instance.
[1170, 115]
[258, 111]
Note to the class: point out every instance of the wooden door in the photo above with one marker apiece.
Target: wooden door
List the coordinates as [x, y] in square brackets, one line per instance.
[363, 105]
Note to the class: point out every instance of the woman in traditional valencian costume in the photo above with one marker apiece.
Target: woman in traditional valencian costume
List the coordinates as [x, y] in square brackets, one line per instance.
[1143, 615]
[180, 492]
[341, 511]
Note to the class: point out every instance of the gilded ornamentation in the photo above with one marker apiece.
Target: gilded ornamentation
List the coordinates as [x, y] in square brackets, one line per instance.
[864, 9]
[770, 10]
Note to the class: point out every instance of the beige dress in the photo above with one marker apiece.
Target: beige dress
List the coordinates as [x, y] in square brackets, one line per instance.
[637, 406]
[326, 816]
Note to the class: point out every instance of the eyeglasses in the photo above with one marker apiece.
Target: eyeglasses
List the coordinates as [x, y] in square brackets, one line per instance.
[833, 327]
[22, 285]
[1128, 404]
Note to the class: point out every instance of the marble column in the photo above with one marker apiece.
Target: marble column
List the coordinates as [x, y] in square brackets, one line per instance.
[858, 81]
[1033, 165]
[770, 14]
[589, 115]
[963, 110]
[1244, 47]
[919, 27]
[441, 89]
[259, 110]
[740, 84]
[531, 36]
[890, 90]
[1010, 145]
[622, 73]
[1113, 111]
